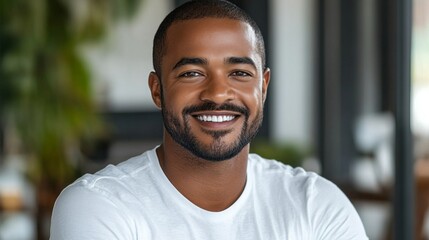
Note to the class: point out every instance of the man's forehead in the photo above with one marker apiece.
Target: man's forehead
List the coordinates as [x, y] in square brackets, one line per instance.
[208, 38]
[221, 29]
[191, 24]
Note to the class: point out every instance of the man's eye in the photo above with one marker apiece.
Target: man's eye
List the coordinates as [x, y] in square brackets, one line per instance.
[240, 74]
[190, 74]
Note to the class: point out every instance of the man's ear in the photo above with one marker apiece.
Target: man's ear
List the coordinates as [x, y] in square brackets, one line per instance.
[265, 83]
[155, 88]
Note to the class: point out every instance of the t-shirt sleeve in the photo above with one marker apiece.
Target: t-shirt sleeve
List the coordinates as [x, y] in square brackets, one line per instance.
[81, 213]
[332, 215]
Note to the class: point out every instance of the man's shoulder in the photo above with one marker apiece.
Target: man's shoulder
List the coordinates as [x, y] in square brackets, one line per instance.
[293, 183]
[113, 178]
[280, 176]
[276, 168]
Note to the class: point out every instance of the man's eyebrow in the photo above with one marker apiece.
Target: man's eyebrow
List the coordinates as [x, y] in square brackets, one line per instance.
[193, 61]
[240, 60]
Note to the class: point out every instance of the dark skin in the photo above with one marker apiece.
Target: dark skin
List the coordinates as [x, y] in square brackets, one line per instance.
[209, 60]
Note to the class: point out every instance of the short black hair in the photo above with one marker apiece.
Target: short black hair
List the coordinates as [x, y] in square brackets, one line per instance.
[197, 9]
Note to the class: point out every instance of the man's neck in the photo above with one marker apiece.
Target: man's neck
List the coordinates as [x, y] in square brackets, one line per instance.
[213, 186]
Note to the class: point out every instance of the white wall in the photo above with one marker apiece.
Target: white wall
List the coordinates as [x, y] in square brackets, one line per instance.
[293, 59]
[120, 65]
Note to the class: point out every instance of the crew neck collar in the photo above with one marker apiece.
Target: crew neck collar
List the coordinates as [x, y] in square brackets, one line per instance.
[181, 201]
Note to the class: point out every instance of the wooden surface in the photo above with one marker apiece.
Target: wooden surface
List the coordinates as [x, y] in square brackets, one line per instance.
[385, 195]
[422, 195]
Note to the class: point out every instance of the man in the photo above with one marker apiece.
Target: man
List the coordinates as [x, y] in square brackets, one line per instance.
[210, 82]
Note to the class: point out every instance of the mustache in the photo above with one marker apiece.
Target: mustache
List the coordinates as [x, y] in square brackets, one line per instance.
[210, 106]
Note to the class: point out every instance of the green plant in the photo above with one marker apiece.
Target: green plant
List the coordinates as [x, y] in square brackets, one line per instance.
[45, 88]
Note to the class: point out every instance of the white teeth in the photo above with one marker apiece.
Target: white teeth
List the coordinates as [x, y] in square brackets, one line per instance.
[209, 118]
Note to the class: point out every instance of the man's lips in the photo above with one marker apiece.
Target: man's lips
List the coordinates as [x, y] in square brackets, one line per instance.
[218, 117]
[209, 115]
[215, 118]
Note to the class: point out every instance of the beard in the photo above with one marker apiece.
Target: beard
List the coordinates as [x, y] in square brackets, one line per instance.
[218, 150]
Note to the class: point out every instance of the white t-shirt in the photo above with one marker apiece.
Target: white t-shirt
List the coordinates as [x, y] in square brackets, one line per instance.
[135, 200]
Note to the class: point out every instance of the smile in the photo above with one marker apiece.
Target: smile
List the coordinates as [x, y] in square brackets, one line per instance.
[215, 118]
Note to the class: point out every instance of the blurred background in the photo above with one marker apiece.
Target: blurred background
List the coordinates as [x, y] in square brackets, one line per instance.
[74, 98]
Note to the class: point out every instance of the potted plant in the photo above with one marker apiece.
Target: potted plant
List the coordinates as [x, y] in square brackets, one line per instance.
[45, 87]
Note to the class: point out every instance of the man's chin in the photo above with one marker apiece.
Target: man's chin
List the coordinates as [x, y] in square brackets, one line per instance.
[217, 135]
[216, 152]
[215, 157]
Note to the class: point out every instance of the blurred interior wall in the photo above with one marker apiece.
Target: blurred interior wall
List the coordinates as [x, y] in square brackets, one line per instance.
[120, 64]
[348, 80]
[292, 70]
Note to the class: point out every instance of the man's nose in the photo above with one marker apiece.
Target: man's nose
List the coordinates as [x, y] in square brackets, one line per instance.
[218, 90]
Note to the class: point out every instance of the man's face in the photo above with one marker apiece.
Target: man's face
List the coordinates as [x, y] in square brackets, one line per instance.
[213, 86]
